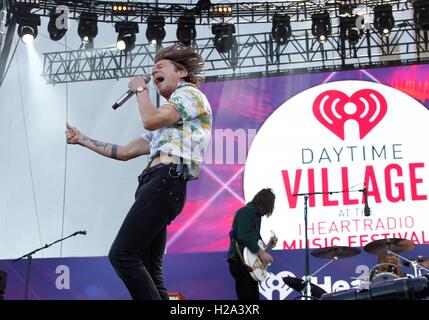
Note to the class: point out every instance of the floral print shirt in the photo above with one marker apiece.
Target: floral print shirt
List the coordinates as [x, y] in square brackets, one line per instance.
[189, 137]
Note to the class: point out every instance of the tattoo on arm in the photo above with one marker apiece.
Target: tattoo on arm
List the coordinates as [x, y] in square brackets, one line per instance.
[104, 145]
[114, 154]
[99, 143]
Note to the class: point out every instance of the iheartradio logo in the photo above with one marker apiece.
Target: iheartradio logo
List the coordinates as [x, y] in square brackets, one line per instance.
[334, 108]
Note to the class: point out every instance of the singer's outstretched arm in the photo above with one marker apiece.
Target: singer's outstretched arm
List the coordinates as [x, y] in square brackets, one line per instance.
[137, 147]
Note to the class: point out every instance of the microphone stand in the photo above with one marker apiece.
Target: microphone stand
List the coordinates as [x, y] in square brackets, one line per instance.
[307, 277]
[29, 257]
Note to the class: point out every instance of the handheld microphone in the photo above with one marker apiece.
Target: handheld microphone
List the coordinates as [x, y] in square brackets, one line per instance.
[127, 95]
[366, 209]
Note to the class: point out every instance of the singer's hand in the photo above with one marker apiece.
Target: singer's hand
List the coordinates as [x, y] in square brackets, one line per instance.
[137, 82]
[73, 135]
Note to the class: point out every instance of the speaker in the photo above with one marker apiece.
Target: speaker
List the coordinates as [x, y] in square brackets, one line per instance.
[3, 279]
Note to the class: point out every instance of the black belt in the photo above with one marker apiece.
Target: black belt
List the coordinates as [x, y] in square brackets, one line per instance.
[178, 170]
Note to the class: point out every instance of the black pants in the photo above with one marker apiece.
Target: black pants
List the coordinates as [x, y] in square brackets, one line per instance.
[138, 250]
[245, 287]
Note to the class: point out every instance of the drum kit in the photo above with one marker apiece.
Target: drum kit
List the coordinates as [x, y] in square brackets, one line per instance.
[385, 280]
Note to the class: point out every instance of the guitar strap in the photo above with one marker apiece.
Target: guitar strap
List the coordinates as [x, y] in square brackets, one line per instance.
[237, 248]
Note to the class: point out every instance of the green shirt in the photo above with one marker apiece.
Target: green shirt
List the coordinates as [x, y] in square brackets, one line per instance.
[246, 228]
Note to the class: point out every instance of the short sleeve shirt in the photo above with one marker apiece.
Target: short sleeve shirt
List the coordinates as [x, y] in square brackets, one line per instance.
[189, 137]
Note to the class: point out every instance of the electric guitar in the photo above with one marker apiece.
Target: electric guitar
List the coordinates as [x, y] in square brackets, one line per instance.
[259, 270]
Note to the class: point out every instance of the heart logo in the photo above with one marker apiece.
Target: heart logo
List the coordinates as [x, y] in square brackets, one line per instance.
[274, 282]
[334, 108]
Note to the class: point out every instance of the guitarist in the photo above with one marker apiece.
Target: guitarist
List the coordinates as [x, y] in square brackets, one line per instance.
[245, 232]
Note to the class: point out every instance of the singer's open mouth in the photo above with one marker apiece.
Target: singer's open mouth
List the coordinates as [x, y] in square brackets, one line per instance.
[159, 79]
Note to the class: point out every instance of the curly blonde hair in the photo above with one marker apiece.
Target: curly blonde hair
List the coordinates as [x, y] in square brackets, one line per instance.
[184, 58]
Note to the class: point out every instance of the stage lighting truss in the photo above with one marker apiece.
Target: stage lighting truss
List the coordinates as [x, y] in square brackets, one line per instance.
[255, 51]
[281, 29]
[224, 40]
[421, 14]
[27, 29]
[383, 19]
[257, 55]
[208, 13]
[321, 27]
[186, 32]
[87, 28]
[155, 32]
[126, 35]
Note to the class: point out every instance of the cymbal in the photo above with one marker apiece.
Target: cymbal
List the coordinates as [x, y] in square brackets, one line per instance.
[396, 245]
[335, 251]
[422, 261]
[298, 285]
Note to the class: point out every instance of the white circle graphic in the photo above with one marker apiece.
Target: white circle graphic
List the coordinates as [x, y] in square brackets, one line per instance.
[303, 148]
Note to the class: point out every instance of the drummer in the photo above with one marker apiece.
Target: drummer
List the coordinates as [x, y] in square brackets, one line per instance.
[388, 258]
[389, 263]
[387, 267]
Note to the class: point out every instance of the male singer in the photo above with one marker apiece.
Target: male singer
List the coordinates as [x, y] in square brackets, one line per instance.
[178, 133]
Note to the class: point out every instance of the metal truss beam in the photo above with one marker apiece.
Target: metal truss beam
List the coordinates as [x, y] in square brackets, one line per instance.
[3, 21]
[245, 12]
[7, 30]
[252, 53]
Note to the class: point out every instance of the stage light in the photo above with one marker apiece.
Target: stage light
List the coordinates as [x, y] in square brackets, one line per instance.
[221, 10]
[281, 30]
[122, 8]
[349, 31]
[27, 1]
[126, 35]
[383, 19]
[186, 32]
[27, 29]
[421, 14]
[203, 5]
[224, 39]
[27, 34]
[56, 33]
[346, 10]
[321, 26]
[155, 31]
[87, 27]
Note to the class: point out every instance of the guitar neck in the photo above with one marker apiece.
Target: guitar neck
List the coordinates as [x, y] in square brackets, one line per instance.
[269, 246]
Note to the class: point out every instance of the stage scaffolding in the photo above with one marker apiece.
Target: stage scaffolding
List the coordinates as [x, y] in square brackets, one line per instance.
[252, 52]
